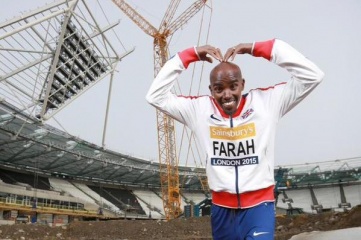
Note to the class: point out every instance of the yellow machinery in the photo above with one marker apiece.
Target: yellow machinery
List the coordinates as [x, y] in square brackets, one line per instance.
[168, 162]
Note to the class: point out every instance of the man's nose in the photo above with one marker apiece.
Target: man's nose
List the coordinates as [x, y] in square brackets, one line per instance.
[227, 93]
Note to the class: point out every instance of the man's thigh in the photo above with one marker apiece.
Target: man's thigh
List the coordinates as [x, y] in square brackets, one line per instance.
[252, 223]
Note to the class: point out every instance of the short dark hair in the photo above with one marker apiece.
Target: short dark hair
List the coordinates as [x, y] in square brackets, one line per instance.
[223, 66]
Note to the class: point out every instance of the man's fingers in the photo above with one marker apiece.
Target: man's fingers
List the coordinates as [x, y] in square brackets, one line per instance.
[227, 56]
[207, 53]
[215, 53]
[230, 54]
[219, 54]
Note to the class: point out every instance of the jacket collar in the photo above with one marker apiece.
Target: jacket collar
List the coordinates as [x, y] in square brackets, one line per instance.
[238, 111]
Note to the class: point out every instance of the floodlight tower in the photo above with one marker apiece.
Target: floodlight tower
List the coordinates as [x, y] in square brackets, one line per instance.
[166, 130]
[52, 55]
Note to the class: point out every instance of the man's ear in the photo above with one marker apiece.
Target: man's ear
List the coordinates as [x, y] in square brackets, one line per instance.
[210, 88]
[243, 83]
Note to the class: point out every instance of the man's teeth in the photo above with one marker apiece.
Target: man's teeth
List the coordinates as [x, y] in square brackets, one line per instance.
[228, 103]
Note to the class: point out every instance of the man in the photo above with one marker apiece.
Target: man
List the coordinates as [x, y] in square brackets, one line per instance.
[237, 131]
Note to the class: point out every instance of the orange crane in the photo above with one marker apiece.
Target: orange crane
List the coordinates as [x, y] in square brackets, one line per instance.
[168, 163]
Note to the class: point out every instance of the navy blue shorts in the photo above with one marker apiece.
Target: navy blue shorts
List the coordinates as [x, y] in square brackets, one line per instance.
[256, 223]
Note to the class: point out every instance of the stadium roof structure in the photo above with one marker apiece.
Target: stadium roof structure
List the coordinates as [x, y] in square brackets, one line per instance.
[29, 145]
[320, 173]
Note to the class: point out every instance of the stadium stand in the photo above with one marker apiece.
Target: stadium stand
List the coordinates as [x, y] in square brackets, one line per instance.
[151, 200]
[131, 201]
[65, 186]
[18, 177]
[102, 202]
[353, 194]
[121, 198]
[329, 198]
[23, 196]
[194, 197]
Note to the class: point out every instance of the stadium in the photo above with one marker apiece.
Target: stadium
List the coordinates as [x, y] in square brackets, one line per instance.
[49, 176]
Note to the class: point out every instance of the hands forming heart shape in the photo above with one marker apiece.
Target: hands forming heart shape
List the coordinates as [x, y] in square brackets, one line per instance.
[204, 51]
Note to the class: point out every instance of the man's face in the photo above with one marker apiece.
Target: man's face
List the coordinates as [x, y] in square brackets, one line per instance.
[227, 86]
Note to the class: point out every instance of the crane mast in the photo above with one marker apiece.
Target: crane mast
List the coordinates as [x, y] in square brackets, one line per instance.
[169, 176]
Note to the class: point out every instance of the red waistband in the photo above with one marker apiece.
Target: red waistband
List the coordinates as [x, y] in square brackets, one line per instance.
[246, 199]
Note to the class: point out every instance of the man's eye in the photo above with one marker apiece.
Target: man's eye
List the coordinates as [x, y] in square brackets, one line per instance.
[233, 87]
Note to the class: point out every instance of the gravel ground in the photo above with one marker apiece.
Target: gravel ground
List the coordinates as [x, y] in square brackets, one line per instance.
[182, 228]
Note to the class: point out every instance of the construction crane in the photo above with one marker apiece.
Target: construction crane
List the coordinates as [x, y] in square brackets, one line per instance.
[168, 163]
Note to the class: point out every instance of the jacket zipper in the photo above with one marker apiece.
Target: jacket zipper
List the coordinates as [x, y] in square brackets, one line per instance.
[236, 169]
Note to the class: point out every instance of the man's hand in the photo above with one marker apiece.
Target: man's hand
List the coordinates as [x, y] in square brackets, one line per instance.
[241, 48]
[203, 51]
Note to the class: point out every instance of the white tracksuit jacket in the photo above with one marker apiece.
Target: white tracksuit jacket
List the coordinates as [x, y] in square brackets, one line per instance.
[239, 150]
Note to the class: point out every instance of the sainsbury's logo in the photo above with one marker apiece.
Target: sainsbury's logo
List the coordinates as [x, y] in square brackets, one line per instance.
[236, 133]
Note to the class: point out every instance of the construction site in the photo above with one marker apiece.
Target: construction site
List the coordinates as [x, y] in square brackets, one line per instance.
[57, 185]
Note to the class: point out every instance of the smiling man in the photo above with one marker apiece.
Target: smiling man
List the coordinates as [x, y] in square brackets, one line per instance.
[226, 86]
[236, 131]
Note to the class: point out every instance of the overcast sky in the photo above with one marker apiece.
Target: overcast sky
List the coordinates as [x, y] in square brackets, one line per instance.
[324, 127]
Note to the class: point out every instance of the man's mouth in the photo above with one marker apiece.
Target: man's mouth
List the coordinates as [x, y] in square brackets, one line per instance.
[228, 104]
